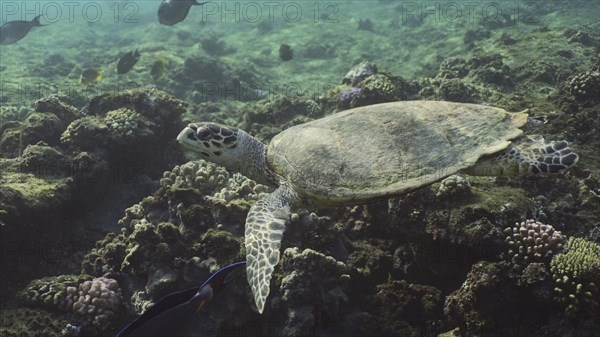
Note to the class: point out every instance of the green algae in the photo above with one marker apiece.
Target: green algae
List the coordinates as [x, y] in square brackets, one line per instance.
[34, 189]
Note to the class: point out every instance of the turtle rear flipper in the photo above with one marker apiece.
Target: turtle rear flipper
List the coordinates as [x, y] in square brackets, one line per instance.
[529, 154]
[265, 224]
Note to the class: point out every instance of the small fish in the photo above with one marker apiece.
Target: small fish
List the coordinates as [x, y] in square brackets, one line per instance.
[158, 69]
[90, 75]
[13, 31]
[127, 61]
[175, 314]
[171, 12]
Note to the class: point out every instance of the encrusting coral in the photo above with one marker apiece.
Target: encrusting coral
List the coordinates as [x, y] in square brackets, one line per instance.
[96, 300]
[49, 292]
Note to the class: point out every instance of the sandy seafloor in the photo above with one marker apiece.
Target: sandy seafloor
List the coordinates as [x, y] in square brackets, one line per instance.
[433, 262]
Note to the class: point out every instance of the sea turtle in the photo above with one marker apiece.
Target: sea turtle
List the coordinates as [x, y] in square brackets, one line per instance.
[365, 154]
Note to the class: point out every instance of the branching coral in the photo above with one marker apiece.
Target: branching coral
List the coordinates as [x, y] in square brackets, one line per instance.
[576, 273]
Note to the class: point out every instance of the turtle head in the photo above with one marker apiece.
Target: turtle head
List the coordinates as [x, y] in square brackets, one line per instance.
[212, 141]
[229, 147]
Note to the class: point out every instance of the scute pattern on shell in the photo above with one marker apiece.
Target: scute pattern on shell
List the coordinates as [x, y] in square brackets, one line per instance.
[386, 149]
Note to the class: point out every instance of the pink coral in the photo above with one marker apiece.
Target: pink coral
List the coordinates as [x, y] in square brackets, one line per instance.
[532, 241]
[98, 299]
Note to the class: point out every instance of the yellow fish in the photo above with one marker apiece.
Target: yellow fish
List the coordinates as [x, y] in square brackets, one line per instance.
[90, 75]
[158, 69]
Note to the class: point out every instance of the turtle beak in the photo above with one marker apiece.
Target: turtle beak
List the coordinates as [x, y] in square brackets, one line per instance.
[187, 137]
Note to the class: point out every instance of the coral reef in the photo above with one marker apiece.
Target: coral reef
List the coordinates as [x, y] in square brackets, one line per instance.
[98, 299]
[58, 106]
[94, 300]
[487, 69]
[50, 292]
[455, 90]
[476, 222]
[398, 306]
[490, 301]
[359, 72]
[44, 160]
[453, 186]
[139, 124]
[372, 89]
[37, 127]
[241, 188]
[379, 88]
[305, 294]
[178, 236]
[133, 123]
[213, 181]
[12, 113]
[403, 255]
[532, 241]
[576, 273]
[25, 322]
[347, 95]
[279, 113]
[363, 85]
[123, 122]
[202, 175]
[586, 86]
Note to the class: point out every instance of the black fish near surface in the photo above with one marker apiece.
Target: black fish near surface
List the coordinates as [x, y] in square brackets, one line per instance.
[176, 313]
[127, 61]
[171, 12]
[13, 31]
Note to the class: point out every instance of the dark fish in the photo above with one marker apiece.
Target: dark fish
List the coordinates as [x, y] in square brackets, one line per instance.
[175, 314]
[127, 61]
[171, 12]
[13, 31]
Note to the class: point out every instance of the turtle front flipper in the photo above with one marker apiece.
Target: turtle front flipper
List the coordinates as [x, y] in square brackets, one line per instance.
[528, 154]
[265, 224]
